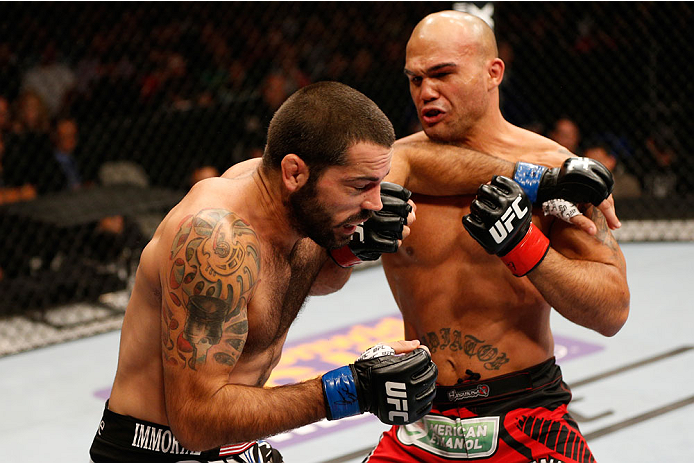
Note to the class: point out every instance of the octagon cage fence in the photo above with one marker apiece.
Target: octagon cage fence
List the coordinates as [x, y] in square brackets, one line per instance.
[109, 111]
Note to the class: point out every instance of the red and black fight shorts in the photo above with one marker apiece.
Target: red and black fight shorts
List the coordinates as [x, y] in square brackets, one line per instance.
[124, 439]
[520, 417]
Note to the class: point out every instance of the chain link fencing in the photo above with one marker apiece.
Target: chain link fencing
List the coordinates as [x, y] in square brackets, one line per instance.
[110, 111]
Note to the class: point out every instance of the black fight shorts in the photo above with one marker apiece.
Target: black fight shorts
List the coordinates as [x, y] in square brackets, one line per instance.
[123, 439]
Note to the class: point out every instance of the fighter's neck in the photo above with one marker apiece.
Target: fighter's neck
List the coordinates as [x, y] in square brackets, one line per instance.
[492, 135]
[270, 210]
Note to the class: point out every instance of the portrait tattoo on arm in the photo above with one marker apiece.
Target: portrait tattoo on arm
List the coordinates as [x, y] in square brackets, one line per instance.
[213, 270]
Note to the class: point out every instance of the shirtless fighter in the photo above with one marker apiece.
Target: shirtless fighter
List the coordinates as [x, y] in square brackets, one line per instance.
[224, 277]
[480, 298]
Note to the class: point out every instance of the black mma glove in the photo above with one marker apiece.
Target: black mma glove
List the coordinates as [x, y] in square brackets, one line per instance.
[398, 389]
[381, 232]
[500, 220]
[579, 180]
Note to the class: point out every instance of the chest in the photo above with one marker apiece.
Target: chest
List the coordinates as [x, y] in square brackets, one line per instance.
[438, 232]
[285, 282]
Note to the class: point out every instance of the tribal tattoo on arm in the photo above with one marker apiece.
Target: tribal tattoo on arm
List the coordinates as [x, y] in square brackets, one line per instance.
[213, 270]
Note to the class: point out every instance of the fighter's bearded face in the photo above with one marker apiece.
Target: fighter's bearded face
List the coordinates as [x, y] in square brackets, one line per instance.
[328, 208]
[313, 218]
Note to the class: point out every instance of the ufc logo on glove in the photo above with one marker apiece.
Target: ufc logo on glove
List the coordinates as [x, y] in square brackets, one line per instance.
[397, 395]
[398, 389]
[505, 224]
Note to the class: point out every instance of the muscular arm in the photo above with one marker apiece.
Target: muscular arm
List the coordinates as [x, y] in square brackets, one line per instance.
[210, 276]
[439, 169]
[584, 277]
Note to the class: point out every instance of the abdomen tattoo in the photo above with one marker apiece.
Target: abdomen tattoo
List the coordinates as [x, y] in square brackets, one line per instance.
[213, 270]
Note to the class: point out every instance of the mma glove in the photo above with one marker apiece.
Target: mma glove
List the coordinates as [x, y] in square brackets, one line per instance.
[398, 389]
[381, 232]
[500, 220]
[578, 180]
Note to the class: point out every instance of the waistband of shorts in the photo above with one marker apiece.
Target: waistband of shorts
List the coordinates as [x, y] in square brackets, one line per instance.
[499, 387]
[135, 434]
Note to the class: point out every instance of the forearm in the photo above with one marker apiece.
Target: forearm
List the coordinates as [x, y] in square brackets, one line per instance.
[237, 413]
[439, 169]
[591, 294]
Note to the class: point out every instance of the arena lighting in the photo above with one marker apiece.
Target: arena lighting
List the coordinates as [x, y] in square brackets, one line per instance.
[482, 10]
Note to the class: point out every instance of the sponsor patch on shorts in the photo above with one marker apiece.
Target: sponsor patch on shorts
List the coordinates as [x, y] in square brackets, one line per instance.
[453, 438]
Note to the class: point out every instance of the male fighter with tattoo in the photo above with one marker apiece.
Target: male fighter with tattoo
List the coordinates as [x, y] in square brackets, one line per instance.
[480, 298]
[225, 275]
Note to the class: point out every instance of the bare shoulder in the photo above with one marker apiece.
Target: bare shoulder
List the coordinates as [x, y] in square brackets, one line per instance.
[211, 211]
[538, 149]
[418, 137]
[242, 168]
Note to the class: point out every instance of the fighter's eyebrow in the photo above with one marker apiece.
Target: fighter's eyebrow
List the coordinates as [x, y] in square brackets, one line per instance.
[432, 69]
[366, 178]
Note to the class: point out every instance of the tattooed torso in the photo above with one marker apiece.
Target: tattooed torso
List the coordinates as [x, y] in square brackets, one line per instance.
[463, 303]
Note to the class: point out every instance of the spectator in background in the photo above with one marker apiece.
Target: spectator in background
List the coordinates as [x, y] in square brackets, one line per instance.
[567, 134]
[9, 194]
[51, 79]
[69, 174]
[662, 176]
[10, 73]
[625, 184]
[29, 144]
[203, 172]
[273, 91]
[5, 115]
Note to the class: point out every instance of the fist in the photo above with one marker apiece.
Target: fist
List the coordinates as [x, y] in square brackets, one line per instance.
[500, 220]
[578, 180]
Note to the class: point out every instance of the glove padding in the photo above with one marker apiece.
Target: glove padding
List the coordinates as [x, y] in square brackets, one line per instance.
[578, 180]
[398, 389]
[500, 220]
[381, 232]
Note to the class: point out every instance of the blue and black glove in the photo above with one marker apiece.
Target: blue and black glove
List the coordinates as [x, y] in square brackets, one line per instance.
[398, 389]
[578, 180]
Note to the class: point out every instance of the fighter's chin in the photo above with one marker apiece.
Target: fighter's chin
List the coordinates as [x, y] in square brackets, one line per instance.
[436, 132]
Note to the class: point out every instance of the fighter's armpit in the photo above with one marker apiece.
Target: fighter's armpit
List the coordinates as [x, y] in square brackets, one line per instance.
[212, 272]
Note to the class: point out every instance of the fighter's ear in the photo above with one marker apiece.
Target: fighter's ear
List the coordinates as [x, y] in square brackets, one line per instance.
[294, 172]
[496, 72]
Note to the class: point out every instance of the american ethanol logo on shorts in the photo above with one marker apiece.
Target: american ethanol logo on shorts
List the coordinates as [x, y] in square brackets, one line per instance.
[445, 437]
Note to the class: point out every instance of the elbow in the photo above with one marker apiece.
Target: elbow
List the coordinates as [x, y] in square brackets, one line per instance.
[619, 315]
[189, 439]
[192, 435]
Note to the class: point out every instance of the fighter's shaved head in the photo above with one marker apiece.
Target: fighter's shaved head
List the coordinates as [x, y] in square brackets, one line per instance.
[465, 30]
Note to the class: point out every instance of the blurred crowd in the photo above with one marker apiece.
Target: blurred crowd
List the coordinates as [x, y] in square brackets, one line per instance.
[178, 87]
[167, 94]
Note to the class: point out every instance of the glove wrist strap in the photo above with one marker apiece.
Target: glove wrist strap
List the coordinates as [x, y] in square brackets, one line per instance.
[340, 393]
[527, 254]
[528, 176]
[344, 257]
